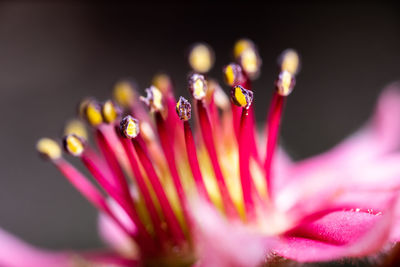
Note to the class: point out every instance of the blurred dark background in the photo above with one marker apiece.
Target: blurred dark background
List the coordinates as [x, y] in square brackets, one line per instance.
[54, 54]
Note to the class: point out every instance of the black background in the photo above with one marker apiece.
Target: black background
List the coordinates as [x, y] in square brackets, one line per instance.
[53, 54]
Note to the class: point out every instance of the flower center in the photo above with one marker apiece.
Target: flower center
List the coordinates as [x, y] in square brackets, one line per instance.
[167, 163]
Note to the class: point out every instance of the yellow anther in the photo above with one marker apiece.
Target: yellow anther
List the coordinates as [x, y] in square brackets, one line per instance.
[232, 74]
[124, 94]
[48, 148]
[74, 145]
[201, 58]
[82, 107]
[76, 127]
[229, 75]
[93, 113]
[250, 62]
[110, 111]
[241, 97]
[285, 83]
[163, 82]
[183, 109]
[198, 86]
[240, 46]
[290, 61]
[153, 99]
[129, 127]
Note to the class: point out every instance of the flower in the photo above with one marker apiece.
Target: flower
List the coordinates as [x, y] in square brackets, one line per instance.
[169, 196]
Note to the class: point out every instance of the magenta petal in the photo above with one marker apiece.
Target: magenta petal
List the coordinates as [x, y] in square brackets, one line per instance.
[337, 228]
[337, 235]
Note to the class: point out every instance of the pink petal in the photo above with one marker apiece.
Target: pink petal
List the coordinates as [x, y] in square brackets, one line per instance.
[343, 187]
[380, 136]
[226, 244]
[113, 235]
[16, 253]
[280, 166]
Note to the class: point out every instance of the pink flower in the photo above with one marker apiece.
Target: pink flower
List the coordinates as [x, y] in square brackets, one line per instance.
[168, 196]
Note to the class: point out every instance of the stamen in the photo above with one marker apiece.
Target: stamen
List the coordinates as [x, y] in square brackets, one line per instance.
[216, 98]
[82, 106]
[76, 127]
[163, 82]
[72, 142]
[246, 54]
[197, 86]
[110, 157]
[110, 111]
[201, 58]
[242, 45]
[170, 156]
[285, 83]
[158, 188]
[183, 109]
[244, 98]
[92, 113]
[124, 93]
[80, 182]
[233, 74]
[74, 145]
[172, 122]
[206, 132]
[251, 63]
[129, 127]
[241, 97]
[129, 150]
[48, 149]
[153, 99]
[289, 60]
[51, 150]
[284, 86]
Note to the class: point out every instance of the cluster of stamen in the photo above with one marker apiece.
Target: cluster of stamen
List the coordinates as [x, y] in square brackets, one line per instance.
[157, 154]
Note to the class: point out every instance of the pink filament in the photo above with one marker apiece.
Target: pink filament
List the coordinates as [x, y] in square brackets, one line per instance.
[159, 191]
[206, 132]
[236, 112]
[168, 150]
[244, 164]
[127, 144]
[112, 162]
[122, 201]
[273, 123]
[193, 161]
[80, 182]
